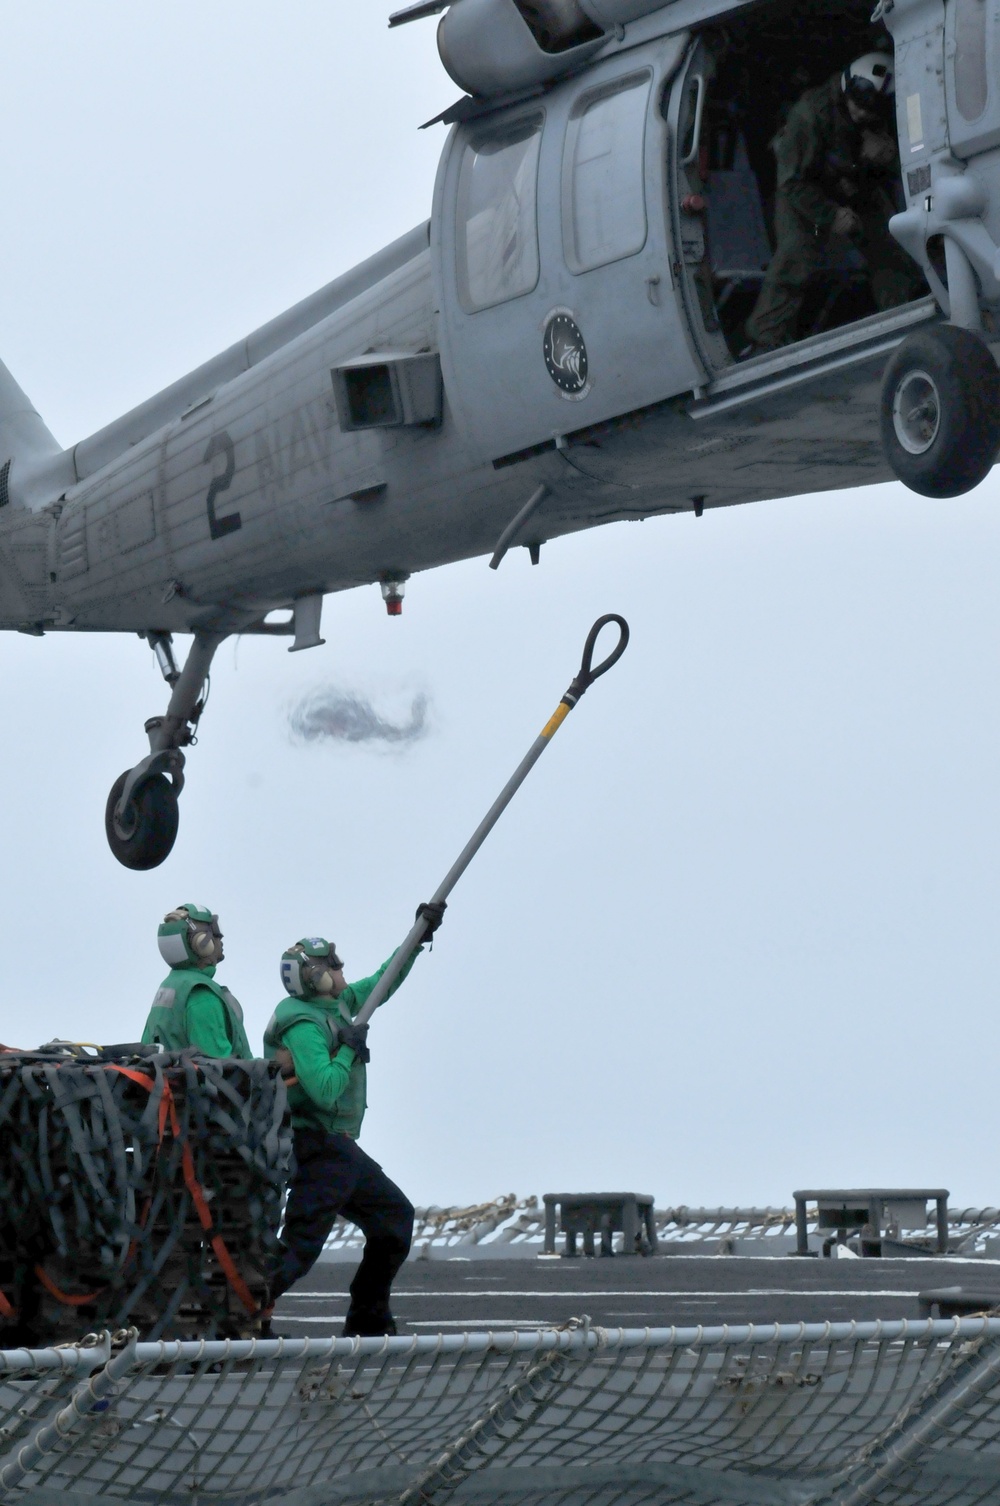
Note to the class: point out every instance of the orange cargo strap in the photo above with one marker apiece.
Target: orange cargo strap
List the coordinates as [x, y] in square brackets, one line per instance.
[168, 1110]
[64, 1297]
[67, 1298]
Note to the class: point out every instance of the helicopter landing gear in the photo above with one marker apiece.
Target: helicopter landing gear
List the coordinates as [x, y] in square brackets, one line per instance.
[940, 411]
[141, 815]
[143, 830]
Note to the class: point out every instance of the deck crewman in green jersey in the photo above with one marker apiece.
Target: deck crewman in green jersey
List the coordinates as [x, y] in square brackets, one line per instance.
[190, 1008]
[314, 1034]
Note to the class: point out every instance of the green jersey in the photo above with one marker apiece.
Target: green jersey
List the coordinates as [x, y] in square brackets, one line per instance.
[331, 1092]
[191, 1009]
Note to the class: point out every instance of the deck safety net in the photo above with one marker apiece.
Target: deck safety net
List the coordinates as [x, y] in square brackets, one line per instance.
[900, 1413]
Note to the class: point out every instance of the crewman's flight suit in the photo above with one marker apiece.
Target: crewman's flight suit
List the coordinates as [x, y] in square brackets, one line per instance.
[821, 168]
[333, 1174]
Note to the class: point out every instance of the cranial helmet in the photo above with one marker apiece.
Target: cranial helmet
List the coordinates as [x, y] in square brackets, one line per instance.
[190, 937]
[307, 968]
[870, 81]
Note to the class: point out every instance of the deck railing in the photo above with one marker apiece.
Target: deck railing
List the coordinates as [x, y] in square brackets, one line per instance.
[827, 1414]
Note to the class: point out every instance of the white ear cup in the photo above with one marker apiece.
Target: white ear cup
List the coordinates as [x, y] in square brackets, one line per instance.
[323, 982]
[203, 943]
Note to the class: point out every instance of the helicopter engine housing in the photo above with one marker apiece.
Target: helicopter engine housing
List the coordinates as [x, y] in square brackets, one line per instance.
[496, 48]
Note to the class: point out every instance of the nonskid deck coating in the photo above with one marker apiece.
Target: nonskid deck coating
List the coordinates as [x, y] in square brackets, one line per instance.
[632, 1292]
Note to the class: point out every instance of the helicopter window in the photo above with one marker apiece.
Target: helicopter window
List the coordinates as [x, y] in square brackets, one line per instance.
[498, 238]
[604, 209]
[970, 58]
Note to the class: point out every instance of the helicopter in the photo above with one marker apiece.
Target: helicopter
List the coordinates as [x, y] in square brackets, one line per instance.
[560, 345]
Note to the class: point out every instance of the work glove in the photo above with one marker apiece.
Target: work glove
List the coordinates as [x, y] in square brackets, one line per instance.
[355, 1036]
[432, 913]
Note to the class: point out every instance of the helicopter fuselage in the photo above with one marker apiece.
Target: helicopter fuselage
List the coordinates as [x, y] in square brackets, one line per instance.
[563, 344]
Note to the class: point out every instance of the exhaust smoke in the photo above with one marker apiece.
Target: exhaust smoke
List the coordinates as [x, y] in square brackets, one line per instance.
[329, 714]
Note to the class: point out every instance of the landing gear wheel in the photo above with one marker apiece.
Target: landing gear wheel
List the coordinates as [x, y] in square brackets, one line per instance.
[144, 834]
[940, 411]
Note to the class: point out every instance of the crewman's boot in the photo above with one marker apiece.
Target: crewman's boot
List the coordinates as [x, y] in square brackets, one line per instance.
[369, 1323]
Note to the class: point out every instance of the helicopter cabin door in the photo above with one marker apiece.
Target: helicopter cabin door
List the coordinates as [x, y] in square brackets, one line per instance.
[553, 253]
[718, 213]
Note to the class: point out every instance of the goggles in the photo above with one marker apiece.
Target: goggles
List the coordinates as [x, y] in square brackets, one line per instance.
[328, 957]
[329, 960]
[312, 968]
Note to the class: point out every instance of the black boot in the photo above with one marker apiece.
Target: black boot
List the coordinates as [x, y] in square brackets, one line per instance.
[362, 1323]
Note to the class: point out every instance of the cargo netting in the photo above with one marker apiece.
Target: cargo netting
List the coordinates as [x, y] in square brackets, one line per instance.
[144, 1190]
[900, 1413]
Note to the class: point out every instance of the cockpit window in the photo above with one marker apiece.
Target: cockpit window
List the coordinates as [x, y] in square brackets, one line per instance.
[497, 232]
[604, 206]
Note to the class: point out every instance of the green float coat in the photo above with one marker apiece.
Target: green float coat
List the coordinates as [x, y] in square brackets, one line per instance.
[331, 1090]
[191, 1009]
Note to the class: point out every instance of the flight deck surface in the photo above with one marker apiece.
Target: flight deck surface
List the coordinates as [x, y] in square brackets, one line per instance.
[723, 1370]
[431, 1296]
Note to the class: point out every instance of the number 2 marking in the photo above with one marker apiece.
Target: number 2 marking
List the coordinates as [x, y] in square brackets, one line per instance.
[221, 444]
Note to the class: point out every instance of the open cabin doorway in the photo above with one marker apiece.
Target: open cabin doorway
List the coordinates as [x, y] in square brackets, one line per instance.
[740, 81]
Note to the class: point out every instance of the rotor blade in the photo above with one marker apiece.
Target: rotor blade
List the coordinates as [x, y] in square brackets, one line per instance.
[418, 12]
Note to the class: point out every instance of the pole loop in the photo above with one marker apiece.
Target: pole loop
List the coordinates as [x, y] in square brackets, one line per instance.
[588, 673]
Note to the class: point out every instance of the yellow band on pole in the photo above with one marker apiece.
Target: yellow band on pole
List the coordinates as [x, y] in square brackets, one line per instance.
[556, 720]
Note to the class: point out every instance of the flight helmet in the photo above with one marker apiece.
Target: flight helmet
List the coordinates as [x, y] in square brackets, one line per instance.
[190, 937]
[307, 968]
[871, 82]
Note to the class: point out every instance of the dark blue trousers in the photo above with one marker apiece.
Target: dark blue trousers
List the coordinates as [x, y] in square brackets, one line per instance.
[333, 1176]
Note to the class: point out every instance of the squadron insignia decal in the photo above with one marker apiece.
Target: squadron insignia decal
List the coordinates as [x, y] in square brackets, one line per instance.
[566, 355]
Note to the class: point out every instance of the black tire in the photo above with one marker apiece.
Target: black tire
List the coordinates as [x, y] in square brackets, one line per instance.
[940, 411]
[149, 831]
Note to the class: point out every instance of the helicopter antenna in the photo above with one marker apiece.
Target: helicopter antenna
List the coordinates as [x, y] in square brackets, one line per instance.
[418, 12]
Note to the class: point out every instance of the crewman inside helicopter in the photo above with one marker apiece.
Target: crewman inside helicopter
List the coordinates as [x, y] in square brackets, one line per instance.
[837, 167]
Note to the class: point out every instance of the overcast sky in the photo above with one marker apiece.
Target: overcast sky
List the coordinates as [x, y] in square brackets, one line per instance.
[738, 933]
